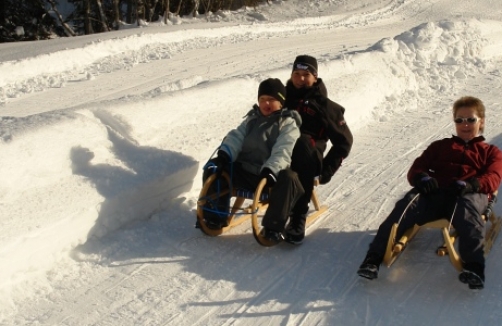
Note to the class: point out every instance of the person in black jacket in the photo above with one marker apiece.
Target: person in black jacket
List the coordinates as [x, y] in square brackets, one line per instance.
[322, 121]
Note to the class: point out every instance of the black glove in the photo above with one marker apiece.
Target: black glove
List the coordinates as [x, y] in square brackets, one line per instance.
[466, 187]
[218, 163]
[266, 173]
[326, 175]
[425, 183]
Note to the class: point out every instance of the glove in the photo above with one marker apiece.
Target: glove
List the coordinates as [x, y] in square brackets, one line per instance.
[218, 163]
[425, 183]
[326, 175]
[466, 187]
[266, 173]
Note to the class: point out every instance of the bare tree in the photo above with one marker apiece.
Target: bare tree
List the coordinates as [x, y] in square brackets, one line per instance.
[147, 10]
[130, 9]
[167, 12]
[140, 11]
[104, 22]
[68, 30]
[179, 7]
[116, 14]
[196, 4]
[207, 8]
[152, 9]
[87, 17]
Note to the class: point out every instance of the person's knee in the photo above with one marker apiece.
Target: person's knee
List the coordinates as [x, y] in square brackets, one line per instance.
[287, 174]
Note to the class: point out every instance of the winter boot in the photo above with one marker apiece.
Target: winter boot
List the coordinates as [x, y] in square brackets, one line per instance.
[473, 274]
[272, 235]
[370, 266]
[215, 216]
[295, 230]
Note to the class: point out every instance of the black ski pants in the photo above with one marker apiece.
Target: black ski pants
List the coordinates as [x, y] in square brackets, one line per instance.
[306, 161]
[467, 221]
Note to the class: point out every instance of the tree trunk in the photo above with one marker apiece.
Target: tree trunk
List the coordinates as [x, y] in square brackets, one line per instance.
[152, 8]
[147, 10]
[104, 23]
[87, 18]
[208, 8]
[130, 6]
[179, 8]
[195, 8]
[167, 12]
[140, 11]
[68, 30]
[116, 14]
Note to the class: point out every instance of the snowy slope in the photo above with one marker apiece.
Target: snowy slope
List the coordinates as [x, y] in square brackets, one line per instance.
[102, 140]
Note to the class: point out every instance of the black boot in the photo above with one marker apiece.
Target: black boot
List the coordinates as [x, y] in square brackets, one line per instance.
[295, 230]
[370, 266]
[216, 217]
[473, 274]
[272, 235]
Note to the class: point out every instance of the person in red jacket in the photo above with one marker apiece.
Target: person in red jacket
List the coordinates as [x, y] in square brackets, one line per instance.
[455, 177]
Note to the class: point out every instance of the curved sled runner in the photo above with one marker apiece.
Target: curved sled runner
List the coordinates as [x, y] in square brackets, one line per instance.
[230, 216]
[236, 215]
[395, 247]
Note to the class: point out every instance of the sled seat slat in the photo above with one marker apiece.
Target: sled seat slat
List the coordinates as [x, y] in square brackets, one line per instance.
[249, 194]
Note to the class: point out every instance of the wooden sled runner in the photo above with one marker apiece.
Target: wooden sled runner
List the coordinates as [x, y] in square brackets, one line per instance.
[254, 210]
[395, 248]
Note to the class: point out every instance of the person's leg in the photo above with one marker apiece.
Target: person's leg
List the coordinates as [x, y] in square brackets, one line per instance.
[408, 211]
[283, 197]
[379, 243]
[305, 162]
[470, 228]
[215, 209]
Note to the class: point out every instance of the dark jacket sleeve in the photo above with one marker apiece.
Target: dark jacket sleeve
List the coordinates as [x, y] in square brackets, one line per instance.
[338, 133]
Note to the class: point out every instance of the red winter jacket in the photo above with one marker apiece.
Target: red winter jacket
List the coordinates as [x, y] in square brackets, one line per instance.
[453, 159]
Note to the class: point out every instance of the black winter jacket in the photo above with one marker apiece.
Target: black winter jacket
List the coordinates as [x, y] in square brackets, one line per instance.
[322, 120]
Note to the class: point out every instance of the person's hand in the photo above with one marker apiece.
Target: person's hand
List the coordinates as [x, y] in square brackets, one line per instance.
[466, 187]
[218, 163]
[426, 184]
[326, 175]
[266, 173]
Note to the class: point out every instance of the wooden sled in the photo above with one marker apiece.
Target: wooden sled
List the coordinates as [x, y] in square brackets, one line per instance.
[395, 248]
[237, 215]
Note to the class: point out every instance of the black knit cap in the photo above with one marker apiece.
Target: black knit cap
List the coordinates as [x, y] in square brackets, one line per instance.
[272, 87]
[306, 62]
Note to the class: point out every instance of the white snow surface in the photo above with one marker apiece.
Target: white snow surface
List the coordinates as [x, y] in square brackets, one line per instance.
[103, 139]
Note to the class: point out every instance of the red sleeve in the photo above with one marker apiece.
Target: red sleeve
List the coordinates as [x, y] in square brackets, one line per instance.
[489, 180]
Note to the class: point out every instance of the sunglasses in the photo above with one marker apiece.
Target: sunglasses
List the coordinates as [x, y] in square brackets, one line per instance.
[466, 120]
